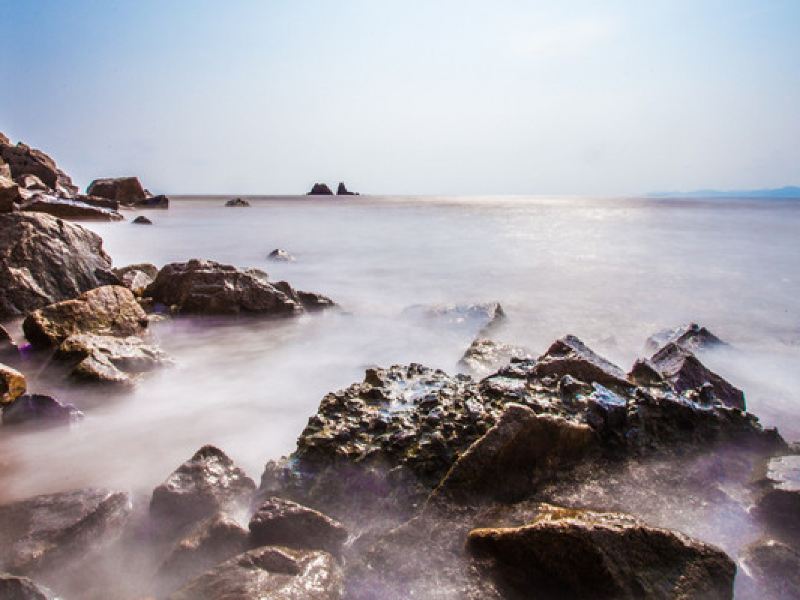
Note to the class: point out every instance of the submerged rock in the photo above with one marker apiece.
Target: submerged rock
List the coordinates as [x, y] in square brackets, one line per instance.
[279, 255]
[39, 409]
[342, 190]
[21, 588]
[774, 568]
[482, 318]
[320, 189]
[12, 384]
[691, 337]
[142, 220]
[67, 208]
[237, 202]
[279, 522]
[486, 356]
[269, 572]
[48, 531]
[137, 277]
[45, 260]
[584, 554]
[206, 484]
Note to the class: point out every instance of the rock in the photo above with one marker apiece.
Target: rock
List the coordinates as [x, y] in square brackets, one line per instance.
[691, 337]
[320, 189]
[10, 196]
[142, 220]
[204, 485]
[97, 201]
[481, 318]
[779, 503]
[279, 255]
[39, 410]
[109, 359]
[310, 301]
[7, 345]
[644, 372]
[31, 182]
[68, 209]
[570, 356]
[269, 572]
[160, 201]
[207, 287]
[583, 554]
[342, 190]
[237, 202]
[685, 372]
[107, 310]
[486, 356]
[45, 260]
[45, 532]
[12, 384]
[125, 190]
[137, 277]
[522, 449]
[774, 568]
[212, 541]
[24, 160]
[21, 588]
[279, 522]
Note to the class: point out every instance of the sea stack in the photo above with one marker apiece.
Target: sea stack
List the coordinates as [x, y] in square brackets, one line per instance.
[320, 189]
[343, 191]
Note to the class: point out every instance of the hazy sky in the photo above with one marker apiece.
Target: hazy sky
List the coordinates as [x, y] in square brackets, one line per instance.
[438, 96]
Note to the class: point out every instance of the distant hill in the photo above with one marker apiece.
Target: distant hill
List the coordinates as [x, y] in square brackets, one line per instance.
[790, 191]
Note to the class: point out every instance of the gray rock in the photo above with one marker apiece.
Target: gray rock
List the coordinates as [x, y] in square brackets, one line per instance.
[691, 337]
[280, 522]
[237, 202]
[279, 255]
[38, 409]
[486, 356]
[570, 356]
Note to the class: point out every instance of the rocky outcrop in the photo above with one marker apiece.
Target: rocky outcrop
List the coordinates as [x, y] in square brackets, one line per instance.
[67, 208]
[24, 160]
[38, 409]
[207, 287]
[110, 310]
[342, 190]
[12, 384]
[206, 484]
[97, 201]
[583, 554]
[570, 356]
[45, 260]
[137, 277]
[774, 568]
[48, 531]
[484, 357]
[31, 182]
[237, 202]
[478, 318]
[10, 195]
[320, 189]
[310, 301]
[691, 337]
[21, 588]
[142, 220]
[280, 522]
[279, 255]
[125, 190]
[269, 572]
[778, 503]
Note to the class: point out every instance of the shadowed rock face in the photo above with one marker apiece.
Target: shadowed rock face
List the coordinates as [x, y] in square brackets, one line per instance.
[279, 522]
[583, 554]
[126, 190]
[270, 572]
[24, 160]
[691, 337]
[774, 567]
[341, 190]
[21, 588]
[37, 409]
[320, 189]
[45, 260]
[48, 531]
[570, 356]
[779, 502]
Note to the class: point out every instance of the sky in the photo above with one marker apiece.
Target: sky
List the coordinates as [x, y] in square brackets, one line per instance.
[408, 97]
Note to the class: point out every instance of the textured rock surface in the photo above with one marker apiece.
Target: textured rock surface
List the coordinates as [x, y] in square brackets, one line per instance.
[583, 554]
[10, 195]
[23, 160]
[320, 189]
[126, 190]
[67, 208]
[691, 337]
[310, 301]
[238, 202]
[21, 588]
[12, 384]
[570, 356]
[38, 409]
[45, 260]
[280, 255]
[280, 522]
[774, 568]
[137, 277]
[484, 357]
[107, 310]
[48, 531]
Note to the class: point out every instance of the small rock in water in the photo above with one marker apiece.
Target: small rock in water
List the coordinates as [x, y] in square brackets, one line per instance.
[279, 522]
[142, 220]
[280, 255]
[40, 410]
[12, 384]
[237, 202]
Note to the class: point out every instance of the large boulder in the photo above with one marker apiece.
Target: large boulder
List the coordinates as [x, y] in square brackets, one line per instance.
[479, 319]
[137, 277]
[13, 587]
[10, 195]
[583, 554]
[125, 190]
[12, 384]
[24, 160]
[206, 484]
[269, 572]
[280, 522]
[38, 409]
[45, 260]
[570, 356]
[67, 208]
[208, 287]
[48, 531]
[107, 310]
[320, 189]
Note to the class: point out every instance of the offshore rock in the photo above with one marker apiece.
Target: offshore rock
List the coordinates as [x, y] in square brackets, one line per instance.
[691, 337]
[206, 484]
[208, 287]
[66, 208]
[39, 409]
[484, 357]
[125, 190]
[341, 190]
[269, 572]
[279, 522]
[137, 277]
[320, 189]
[280, 255]
[481, 318]
[12, 384]
[310, 301]
[774, 567]
[45, 260]
[142, 220]
[237, 202]
[48, 531]
[570, 356]
[21, 588]
[108, 310]
[583, 554]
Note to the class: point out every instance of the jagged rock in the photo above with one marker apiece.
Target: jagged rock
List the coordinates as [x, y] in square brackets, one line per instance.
[280, 522]
[685, 372]
[310, 301]
[39, 409]
[583, 554]
[10, 196]
[320, 189]
[21, 588]
[45, 260]
[570, 356]
[691, 337]
[45, 532]
[201, 286]
[12, 384]
[206, 484]
[107, 310]
[110, 359]
[212, 541]
[279, 255]
[269, 572]
[137, 277]
[125, 190]
[24, 160]
[486, 356]
[342, 190]
[142, 220]
[779, 503]
[481, 318]
[237, 202]
[522, 449]
[774, 568]
[31, 182]
[66, 208]
[644, 372]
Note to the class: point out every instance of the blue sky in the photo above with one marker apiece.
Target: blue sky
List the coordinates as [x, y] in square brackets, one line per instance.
[441, 96]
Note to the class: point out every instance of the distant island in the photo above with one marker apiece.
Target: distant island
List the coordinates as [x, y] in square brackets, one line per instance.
[790, 191]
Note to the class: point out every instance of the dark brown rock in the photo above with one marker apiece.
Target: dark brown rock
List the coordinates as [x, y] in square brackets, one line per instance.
[570, 356]
[342, 190]
[125, 190]
[66, 208]
[45, 260]
[24, 160]
[238, 202]
[280, 522]
[10, 195]
[12, 384]
[38, 409]
[142, 220]
[31, 182]
[320, 189]
[779, 503]
[21, 588]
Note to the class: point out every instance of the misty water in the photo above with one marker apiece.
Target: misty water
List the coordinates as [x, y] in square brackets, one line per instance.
[611, 271]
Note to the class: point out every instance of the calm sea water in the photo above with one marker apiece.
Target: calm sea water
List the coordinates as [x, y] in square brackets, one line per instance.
[611, 271]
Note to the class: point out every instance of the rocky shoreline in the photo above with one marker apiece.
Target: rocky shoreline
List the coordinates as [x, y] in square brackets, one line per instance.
[502, 481]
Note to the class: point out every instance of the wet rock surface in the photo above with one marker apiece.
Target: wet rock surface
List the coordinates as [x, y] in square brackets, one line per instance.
[269, 572]
[21, 588]
[237, 202]
[12, 384]
[51, 530]
[280, 522]
[570, 356]
[45, 260]
[38, 409]
[484, 357]
[137, 277]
